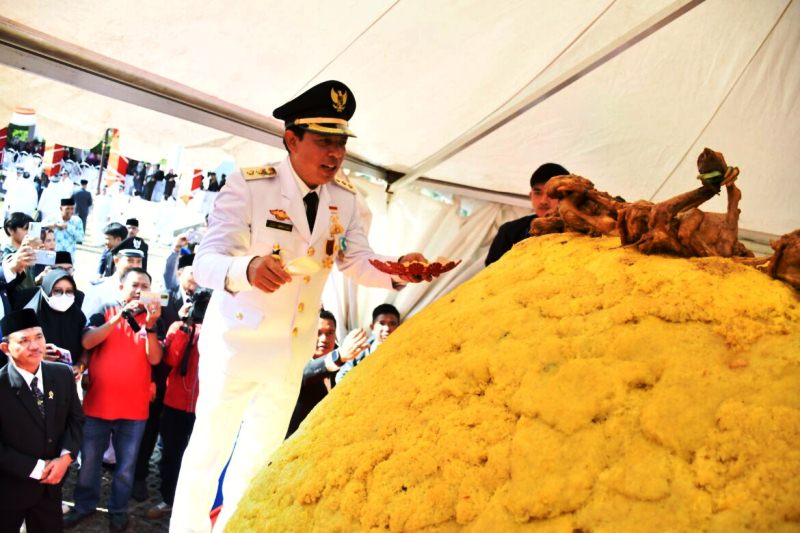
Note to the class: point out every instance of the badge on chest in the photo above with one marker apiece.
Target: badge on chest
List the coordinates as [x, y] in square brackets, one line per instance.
[283, 226]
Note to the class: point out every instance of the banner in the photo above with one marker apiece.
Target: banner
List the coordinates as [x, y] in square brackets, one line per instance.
[197, 179]
[117, 163]
[3, 135]
[53, 156]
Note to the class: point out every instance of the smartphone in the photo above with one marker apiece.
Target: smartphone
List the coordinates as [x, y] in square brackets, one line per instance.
[45, 257]
[147, 297]
[35, 230]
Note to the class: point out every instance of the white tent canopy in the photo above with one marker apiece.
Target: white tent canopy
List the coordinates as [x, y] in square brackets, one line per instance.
[472, 94]
[720, 73]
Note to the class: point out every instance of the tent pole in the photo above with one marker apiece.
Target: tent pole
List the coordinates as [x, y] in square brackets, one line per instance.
[661, 19]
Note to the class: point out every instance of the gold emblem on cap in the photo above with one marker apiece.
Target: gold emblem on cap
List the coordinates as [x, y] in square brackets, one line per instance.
[339, 99]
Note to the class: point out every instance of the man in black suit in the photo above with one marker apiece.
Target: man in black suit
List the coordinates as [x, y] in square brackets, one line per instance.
[41, 427]
[514, 231]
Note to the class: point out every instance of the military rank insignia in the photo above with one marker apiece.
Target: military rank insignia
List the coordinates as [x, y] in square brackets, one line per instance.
[255, 173]
[342, 181]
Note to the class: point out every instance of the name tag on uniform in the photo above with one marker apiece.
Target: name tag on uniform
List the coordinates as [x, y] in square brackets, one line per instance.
[279, 225]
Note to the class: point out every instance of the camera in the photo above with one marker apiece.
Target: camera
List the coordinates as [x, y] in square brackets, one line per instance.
[199, 301]
[129, 316]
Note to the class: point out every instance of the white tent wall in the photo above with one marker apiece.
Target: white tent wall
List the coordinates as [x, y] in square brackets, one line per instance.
[413, 221]
[758, 127]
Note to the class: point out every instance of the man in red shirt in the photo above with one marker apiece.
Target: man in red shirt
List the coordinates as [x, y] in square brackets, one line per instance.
[124, 344]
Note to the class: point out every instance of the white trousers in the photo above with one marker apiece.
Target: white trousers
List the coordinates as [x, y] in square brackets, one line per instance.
[263, 409]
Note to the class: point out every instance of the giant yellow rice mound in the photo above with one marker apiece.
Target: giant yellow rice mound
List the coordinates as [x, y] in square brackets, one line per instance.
[572, 386]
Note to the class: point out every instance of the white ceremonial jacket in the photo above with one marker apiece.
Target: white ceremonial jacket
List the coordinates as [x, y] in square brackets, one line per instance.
[251, 334]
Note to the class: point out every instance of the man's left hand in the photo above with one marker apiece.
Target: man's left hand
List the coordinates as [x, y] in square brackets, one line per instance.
[54, 470]
[153, 313]
[414, 256]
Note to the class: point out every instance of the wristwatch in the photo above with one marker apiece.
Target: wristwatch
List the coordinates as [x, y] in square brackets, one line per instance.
[150, 330]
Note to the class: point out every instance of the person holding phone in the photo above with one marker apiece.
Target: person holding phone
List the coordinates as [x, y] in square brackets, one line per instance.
[19, 256]
[124, 343]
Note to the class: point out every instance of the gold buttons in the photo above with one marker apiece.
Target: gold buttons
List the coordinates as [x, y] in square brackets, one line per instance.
[239, 316]
[294, 332]
[311, 251]
[306, 279]
[300, 307]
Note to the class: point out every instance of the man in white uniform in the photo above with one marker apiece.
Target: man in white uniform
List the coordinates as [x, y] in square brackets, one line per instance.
[273, 236]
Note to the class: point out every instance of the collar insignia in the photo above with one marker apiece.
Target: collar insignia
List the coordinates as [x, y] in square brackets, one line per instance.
[280, 214]
[339, 99]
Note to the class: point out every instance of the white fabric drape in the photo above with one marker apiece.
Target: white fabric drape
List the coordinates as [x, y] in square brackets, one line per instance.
[413, 222]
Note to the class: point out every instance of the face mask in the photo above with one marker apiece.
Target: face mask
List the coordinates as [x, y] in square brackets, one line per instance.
[60, 302]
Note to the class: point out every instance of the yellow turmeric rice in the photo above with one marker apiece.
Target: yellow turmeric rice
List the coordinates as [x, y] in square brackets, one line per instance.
[572, 386]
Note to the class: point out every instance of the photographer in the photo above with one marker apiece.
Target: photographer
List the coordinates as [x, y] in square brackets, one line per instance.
[176, 309]
[177, 418]
[123, 343]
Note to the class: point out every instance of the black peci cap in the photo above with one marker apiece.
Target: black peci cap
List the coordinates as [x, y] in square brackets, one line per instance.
[67, 201]
[323, 109]
[19, 320]
[132, 222]
[63, 257]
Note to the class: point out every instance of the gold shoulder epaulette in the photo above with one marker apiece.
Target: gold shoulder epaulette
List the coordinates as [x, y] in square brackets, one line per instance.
[342, 181]
[257, 173]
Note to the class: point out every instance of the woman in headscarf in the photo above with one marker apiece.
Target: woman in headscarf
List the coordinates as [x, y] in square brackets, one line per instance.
[57, 304]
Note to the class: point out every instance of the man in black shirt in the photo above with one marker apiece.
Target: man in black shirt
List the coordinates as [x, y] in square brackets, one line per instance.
[514, 231]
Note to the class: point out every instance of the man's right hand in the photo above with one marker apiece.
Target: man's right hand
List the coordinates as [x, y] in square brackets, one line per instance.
[267, 273]
[180, 241]
[353, 344]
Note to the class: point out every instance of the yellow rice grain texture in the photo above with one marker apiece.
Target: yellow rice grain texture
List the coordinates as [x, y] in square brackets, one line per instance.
[574, 385]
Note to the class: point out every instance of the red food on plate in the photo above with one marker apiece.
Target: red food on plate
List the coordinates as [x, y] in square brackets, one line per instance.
[426, 271]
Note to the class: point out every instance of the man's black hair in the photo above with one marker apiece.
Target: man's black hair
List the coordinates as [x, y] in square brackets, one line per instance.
[385, 309]
[300, 132]
[545, 172]
[115, 229]
[16, 220]
[324, 314]
[134, 270]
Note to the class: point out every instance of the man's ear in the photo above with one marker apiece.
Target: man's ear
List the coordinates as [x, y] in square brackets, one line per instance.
[291, 140]
[4, 347]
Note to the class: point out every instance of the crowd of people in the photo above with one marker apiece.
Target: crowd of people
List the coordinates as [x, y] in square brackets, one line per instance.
[133, 355]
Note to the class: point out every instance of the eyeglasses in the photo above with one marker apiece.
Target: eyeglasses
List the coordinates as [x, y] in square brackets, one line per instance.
[61, 292]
